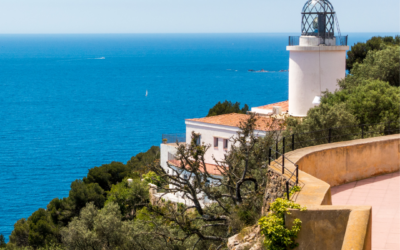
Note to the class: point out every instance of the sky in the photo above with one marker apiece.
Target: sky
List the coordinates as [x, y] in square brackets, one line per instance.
[186, 16]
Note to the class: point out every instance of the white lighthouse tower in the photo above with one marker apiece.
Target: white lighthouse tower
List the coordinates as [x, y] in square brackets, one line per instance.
[317, 58]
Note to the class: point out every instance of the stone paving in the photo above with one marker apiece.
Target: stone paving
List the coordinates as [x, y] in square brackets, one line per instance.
[383, 194]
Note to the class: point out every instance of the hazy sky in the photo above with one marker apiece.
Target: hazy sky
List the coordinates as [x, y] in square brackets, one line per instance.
[186, 16]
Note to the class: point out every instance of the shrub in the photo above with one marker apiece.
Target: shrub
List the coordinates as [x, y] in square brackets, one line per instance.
[277, 236]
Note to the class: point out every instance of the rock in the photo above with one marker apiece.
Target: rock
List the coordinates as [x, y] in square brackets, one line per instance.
[244, 246]
[257, 246]
[251, 236]
[233, 241]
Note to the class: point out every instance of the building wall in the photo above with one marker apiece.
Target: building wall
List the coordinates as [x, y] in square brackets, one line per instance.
[313, 69]
[164, 150]
[208, 133]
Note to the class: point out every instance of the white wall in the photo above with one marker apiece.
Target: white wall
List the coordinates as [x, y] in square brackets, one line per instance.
[208, 132]
[313, 69]
[164, 150]
[262, 111]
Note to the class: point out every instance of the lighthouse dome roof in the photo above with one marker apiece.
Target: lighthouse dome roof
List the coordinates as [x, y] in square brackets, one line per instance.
[318, 6]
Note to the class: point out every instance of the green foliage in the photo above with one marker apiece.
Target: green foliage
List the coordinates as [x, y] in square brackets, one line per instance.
[2, 241]
[42, 227]
[277, 236]
[227, 108]
[152, 178]
[381, 65]
[371, 102]
[108, 174]
[374, 101]
[42, 231]
[81, 194]
[141, 161]
[294, 190]
[19, 236]
[359, 51]
[129, 198]
[95, 229]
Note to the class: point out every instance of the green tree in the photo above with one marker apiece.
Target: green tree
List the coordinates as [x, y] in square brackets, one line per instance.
[359, 51]
[81, 194]
[100, 230]
[381, 65]
[62, 211]
[129, 197]
[2, 241]
[20, 235]
[42, 231]
[374, 101]
[141, 161]
[106, 175]
[227, 108]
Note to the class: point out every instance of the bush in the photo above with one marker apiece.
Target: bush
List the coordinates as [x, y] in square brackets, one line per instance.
[277, 236]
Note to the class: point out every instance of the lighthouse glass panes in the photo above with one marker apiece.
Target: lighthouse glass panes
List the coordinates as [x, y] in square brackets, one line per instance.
[318, 19]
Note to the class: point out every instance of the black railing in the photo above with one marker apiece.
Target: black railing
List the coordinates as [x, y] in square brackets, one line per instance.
[339, 40]
[173, 138]
[295, 173]
[336, 134]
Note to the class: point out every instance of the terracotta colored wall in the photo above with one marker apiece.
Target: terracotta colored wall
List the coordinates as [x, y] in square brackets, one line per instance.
[361, 159]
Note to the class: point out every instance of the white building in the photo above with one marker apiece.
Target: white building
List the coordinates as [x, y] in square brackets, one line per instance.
[317, 61]
[216, 131]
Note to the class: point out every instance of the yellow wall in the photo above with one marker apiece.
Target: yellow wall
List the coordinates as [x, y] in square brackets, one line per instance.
[331, 165]
[352, 161]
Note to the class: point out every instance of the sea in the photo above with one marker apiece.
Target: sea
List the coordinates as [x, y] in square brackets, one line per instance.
[72, 102]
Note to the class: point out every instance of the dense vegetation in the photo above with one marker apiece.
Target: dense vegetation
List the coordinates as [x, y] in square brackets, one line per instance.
[227, 108]
[104, 186]
[105, 211]
[359, 51]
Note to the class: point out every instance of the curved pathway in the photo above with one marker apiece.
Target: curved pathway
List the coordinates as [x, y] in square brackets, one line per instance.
[383, 194]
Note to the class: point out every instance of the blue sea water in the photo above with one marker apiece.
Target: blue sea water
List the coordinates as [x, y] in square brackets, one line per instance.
[72, 102]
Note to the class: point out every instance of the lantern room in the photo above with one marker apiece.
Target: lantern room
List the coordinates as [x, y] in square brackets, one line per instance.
[318, 19]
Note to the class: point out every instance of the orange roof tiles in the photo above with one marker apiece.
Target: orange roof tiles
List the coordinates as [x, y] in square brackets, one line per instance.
[234, 120]
[284, 105]
[211, 168]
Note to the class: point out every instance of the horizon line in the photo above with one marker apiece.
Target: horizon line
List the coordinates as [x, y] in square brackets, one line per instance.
[185, 33]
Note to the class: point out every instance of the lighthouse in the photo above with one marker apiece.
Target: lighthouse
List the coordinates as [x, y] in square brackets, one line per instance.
[317, 57]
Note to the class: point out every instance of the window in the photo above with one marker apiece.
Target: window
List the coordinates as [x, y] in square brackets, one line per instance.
[207, 183]
[198, 142]
[226, 144]
[216, 142]
[185, 176]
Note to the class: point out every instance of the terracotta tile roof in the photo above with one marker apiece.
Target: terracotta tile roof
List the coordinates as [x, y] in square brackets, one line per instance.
[284, 105]
[211, 168]
[234, 120]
